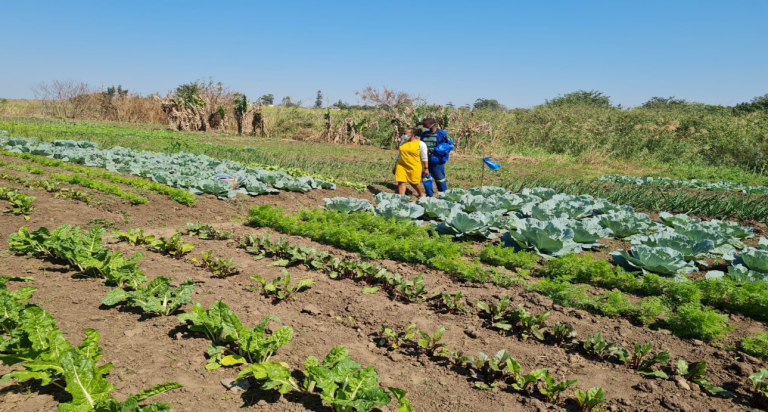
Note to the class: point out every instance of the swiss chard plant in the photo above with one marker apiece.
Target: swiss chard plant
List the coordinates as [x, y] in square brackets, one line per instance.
[220, 267]
[21, 204]
[589, 400]
[597, 348]
[431, 343]
[158, 297]
[173, 246]
[338, 380]
[497, 311]
[552, 389]
[695, 373]
[281, 287]
[134, 237]
[452, 303]
[122, 272]
[642, 360]
[394, 339]
[563, 334]
[532, 324]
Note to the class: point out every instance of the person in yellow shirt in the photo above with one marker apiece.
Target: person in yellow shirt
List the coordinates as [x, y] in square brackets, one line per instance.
[411, 163]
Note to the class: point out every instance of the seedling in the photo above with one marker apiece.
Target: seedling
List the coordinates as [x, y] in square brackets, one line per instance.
[641, 359]
[432, 343]
[412, 290]
[524, 381]
[281, 287]
[552, 389]
[597, 348]
[493, 370]
[759, 388]
[49, 187]
[695, 373]
[496, 311]
[173, 246]
[73, 195]
[563, 334]
[206, 232]
[456, 357]
[532, 325]
[134, 237]
[589, 400]
[453, 303]
[397, 339]
[220, 267]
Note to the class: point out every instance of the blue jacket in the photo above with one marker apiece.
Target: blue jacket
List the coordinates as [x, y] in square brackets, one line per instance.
[441, 152]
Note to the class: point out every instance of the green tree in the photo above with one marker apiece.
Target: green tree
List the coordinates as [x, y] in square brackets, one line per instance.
[267, 99]
[319, 100]
[488, 104]
[450, 105]
[664, 102]
[581, 97]
[757, 103]
[190, 93]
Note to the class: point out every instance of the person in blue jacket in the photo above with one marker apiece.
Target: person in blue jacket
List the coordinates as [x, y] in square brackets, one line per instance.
[439, 145]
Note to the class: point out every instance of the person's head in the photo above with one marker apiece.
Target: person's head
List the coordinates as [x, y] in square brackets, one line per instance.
[411, 132]
[429, 124]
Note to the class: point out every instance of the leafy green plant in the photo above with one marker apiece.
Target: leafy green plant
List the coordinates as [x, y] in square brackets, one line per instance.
[134, 237]
[648, 310]
[122, 272]
[206, 232]
[397, 339]
[74, 195]
[49, 187]
[218, 323]
[759, 381]
[453, 303]
[756, 345]
[412, 290]
[492, 370]
[523, 382]
[431, 343]
[219, 266]
[281, 286]
[695, 373]
[589, 400]
[173, 246]
[100, 186]
[694, 320]
[250, 345]
[563, 334]
[158, 297]
[532, 324]
[553, 389]
[497, 255]
[21, 204]
[642, 360]
[597, 348]
[496, 311]
[342, 382]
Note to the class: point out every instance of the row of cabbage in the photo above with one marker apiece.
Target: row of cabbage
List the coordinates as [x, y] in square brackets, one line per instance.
[552, 224]
[721, 186]
[195, 173]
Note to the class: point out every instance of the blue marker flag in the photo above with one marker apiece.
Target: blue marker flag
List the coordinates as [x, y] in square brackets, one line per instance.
[491, 165]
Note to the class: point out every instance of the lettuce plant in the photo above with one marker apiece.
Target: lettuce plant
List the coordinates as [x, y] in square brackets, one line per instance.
[548, 239]
[348, 204]
[661, 260]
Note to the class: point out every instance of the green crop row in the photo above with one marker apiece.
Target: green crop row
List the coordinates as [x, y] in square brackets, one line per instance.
[374, 237]
[100, 186]
[178, 195]
[718, 205]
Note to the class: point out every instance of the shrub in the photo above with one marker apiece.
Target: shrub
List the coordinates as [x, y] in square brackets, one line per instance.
[692, 320]
[756, 345]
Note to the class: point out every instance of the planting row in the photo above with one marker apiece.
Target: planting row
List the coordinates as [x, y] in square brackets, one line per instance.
[195, 173]
[721, 186]
[20, 203]
[32, 340]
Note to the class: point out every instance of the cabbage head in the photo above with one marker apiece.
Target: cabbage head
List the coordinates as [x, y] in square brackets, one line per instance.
[562, 206]
[487, 191]
[659, 260]
[668, 219]
[454, 195]
[750, 265]
[395, 208]
[462, 224]
[586, 232]
[692, 250]
[699, 233]
[435, 208]
[544, 193]
[548, 239]
[625, 224]
[348, 204]
[480, 203]
[512, 202]
[222, 190]
[385, 196]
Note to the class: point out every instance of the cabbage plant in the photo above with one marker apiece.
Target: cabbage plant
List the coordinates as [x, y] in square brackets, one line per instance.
[563, 206]
[487, 191]
[587, 232]
[625, 224]
[512, 202]
[692, 250]
[384, 196]
[395, 208]
[436, 208]
[479, 203]
[699, 233]
[668, 219]
[544, 193]
[732, 230]
[660, 260]
[751, 265]
[348, 204]
[461, 224]
[548, 239]
[222, 190]
[454, 195]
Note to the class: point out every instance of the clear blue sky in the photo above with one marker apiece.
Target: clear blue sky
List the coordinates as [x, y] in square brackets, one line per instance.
[518, 52]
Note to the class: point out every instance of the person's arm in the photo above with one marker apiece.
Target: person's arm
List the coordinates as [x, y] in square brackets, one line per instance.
[424, 152]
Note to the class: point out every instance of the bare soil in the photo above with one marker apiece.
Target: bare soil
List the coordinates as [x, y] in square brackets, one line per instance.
[147, 350]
